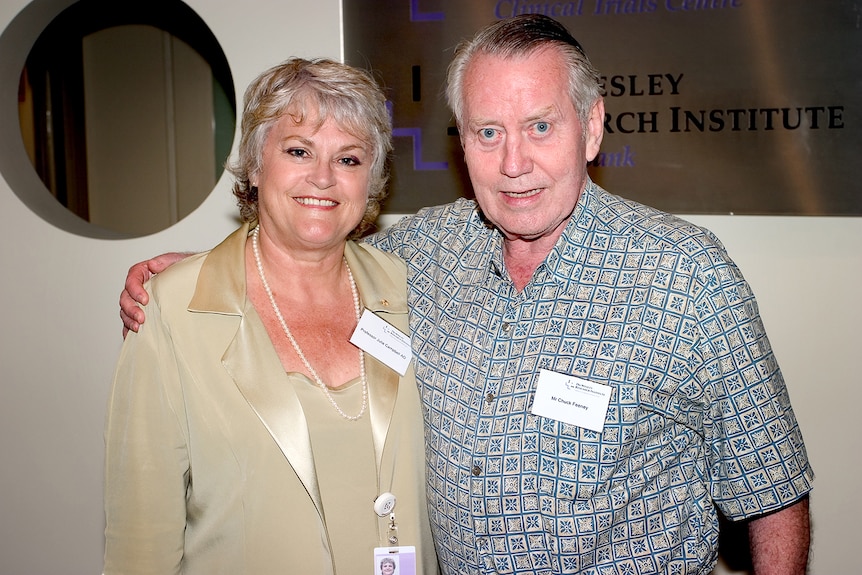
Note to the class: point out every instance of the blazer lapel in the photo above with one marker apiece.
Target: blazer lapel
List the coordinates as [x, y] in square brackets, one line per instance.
[379, 294]
[382, 391]
[254, 366]
[251, 360]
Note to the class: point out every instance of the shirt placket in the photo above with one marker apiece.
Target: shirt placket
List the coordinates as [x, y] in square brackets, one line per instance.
[498, 548]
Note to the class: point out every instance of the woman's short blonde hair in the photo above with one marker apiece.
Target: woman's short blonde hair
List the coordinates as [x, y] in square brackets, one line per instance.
[319, 89]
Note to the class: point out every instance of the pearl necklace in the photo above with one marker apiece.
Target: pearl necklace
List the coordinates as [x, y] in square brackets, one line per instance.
[357, 309]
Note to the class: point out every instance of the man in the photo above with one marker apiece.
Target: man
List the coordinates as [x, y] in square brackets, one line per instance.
[596, 380]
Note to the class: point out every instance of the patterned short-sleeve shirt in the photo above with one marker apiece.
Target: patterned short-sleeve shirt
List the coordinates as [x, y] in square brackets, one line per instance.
[630, 297]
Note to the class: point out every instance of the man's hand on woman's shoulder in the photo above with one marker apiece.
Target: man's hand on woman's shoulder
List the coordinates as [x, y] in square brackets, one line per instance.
[134, 293]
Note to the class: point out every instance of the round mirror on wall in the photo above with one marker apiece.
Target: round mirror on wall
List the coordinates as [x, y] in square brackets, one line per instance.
[127, 112]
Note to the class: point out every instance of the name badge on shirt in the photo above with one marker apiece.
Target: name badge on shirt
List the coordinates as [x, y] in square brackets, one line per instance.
[383, 341]
[572, 400]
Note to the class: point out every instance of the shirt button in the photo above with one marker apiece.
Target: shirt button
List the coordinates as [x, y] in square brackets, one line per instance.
[506, 327]
[489, 398]
[477, 470]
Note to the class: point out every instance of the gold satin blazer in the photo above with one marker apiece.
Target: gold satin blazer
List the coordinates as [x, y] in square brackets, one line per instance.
[209, 465]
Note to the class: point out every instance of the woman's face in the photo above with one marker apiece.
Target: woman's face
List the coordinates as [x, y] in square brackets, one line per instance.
[313, 183]
[387, 568]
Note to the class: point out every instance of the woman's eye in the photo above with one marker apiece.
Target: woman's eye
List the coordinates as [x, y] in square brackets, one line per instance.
[296, 152]
[350, 161]
[542, 127]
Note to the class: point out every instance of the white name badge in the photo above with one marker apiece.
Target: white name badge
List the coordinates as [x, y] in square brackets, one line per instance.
[572, 400]
[383, 341]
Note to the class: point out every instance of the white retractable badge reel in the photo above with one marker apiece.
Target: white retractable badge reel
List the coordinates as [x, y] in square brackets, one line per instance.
[384, 504]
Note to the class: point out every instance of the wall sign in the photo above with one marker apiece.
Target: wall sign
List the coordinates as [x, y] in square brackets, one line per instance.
[713, 106]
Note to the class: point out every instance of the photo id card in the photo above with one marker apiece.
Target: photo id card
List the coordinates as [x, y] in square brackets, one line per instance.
[395, 560]
[383, 341]
[572, 400]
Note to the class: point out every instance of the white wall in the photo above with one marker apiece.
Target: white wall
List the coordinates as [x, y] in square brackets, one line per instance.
[60, 333]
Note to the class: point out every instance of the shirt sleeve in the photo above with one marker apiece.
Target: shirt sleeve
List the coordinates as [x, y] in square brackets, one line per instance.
[394, 238]
[758, 460]
[146, 457]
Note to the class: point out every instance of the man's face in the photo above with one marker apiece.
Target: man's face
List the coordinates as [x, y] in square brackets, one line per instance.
[525, 147]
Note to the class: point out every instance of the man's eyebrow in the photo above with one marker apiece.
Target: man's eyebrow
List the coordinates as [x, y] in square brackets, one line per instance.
[549, 111]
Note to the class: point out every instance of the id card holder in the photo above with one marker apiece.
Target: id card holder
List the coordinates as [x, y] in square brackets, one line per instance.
[394, 560]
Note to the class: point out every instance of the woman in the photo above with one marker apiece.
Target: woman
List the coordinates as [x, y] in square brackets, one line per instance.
[245, 433]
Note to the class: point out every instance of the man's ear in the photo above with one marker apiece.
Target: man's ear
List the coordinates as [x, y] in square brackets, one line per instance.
[595, 130]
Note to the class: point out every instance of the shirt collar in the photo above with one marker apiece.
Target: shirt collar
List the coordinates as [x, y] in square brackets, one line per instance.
[565, 259]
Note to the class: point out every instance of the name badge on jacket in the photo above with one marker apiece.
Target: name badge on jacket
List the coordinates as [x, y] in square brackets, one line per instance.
[383, 341]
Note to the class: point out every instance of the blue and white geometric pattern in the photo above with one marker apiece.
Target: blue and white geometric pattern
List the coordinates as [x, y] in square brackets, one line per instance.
[632, 298]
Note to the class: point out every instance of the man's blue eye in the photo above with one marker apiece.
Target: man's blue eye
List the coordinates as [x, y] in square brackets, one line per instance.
[542, 127]
[488, 133]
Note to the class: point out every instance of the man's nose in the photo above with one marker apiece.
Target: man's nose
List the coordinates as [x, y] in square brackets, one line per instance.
[516, 157]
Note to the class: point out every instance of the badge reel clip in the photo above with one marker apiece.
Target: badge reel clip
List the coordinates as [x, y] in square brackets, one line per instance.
[383, 505]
